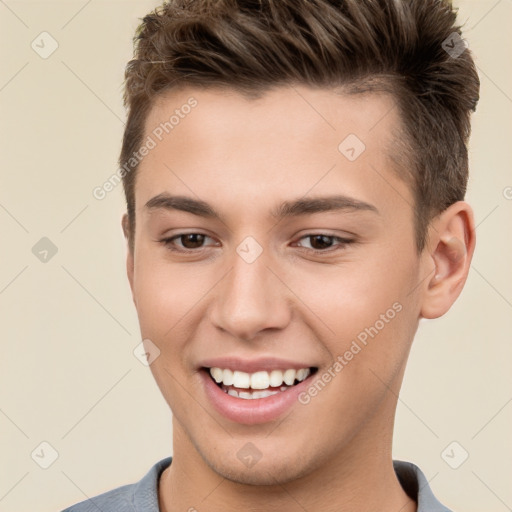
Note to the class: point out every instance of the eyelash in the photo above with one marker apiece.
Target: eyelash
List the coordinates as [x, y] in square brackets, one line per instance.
[168, 243]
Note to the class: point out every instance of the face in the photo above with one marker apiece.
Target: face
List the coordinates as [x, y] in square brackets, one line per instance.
[269, 238]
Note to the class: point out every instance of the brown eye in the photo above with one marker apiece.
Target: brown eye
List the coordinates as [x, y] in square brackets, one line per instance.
[324, 243]
[192, 240]
[320, 242]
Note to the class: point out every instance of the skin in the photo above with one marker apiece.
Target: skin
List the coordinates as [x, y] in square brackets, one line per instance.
[244, 157]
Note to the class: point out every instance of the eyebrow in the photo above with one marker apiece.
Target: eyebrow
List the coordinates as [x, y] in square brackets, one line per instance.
[286, 209]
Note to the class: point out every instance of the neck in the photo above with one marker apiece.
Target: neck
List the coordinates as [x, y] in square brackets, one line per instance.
[359, 476]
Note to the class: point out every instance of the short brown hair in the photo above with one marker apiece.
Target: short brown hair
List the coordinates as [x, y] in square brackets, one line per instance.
[251, 46]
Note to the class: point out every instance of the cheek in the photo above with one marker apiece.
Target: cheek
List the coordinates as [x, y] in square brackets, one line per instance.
[370, 304]
[352, 294]
[164, 294]
[167, 296]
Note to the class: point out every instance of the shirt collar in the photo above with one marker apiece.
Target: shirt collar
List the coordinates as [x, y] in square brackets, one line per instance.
[410, 476]
[416, 485]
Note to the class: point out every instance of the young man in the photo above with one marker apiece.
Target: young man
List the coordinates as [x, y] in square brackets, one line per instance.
[294, 173]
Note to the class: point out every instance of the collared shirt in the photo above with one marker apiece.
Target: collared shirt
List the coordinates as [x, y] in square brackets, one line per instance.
[143, 495]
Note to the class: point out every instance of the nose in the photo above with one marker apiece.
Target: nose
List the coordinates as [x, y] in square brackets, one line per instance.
[250, 299]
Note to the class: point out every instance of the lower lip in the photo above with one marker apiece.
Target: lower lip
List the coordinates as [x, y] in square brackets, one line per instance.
[252, 411]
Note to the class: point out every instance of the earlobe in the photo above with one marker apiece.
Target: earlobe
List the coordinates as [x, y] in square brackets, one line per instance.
[451, 247]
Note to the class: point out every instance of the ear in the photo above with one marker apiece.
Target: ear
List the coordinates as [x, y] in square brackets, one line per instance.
[129, 257]
[448, 254]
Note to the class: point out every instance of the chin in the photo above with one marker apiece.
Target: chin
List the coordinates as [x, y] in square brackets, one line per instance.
[279, 469]
[260, 476]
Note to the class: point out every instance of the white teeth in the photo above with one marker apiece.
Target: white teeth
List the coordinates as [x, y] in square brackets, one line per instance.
[252, 396]
[217, 374]
[302, 374]
[258, 380]
[276, 378]
[289, 377]
[241, 380]
[227, 377]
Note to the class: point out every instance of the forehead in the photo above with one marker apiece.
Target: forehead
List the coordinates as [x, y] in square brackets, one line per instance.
[288, 112]
[291, 140]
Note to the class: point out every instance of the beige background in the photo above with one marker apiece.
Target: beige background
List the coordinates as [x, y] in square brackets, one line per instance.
[67, 372]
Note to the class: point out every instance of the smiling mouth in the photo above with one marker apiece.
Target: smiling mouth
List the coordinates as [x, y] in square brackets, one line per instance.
[261, 384]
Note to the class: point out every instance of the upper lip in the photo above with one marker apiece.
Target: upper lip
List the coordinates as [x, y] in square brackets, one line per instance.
[235, 363]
